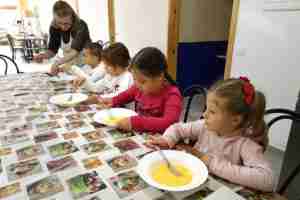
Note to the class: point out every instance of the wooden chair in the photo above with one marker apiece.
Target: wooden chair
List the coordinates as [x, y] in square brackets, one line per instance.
[280, 115]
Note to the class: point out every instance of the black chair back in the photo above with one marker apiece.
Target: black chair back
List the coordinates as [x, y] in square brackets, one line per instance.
[190, 93]
[7, 60]
[281, 114]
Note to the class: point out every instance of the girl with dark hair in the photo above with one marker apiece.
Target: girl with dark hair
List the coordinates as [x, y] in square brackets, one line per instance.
[157, 101]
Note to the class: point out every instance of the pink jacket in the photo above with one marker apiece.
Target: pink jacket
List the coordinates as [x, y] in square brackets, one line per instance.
[237, 159]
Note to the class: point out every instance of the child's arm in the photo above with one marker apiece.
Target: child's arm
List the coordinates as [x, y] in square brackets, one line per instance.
[254, 173]
[75, 70]
[180, 131]
[172, 111]
[96, 87]
[124, 97]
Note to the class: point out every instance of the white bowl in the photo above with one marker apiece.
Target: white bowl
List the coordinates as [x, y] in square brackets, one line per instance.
[63, 99]
[197, 167]
[101, 116]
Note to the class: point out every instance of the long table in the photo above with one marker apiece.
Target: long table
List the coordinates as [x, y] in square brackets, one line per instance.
[50, 152]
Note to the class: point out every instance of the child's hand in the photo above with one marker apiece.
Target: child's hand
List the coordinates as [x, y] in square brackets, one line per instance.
[78, 82]
[157, 141]
[104, 102]
[124, 124]
[39, 58]
[55, 69]
[92, 99]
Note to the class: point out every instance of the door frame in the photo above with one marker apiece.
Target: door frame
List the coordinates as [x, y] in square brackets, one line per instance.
[111, 20]
[232, 36]
[173, 36]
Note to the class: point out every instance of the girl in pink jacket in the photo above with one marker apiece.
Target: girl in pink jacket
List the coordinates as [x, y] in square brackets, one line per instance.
[233, 107]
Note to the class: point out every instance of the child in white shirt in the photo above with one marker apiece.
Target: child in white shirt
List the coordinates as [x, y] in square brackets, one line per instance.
[93, 70]
[117, 77]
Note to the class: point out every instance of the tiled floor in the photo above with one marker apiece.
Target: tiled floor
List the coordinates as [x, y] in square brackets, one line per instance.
[274, 155]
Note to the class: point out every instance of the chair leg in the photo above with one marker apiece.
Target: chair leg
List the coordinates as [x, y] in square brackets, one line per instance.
[13, 56]
[282, 188]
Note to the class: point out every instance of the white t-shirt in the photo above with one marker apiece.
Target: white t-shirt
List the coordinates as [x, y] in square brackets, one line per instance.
[87, 72]
[110, 86]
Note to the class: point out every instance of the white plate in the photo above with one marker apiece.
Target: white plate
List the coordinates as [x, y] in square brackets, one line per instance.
[103, 115]
[62, 77]
[63, 99]
[197, 167]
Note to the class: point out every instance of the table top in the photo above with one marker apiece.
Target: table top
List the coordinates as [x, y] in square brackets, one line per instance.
[50, 152]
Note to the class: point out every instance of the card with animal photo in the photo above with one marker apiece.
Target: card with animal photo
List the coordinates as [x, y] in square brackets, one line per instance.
[17, 94]
[10, 190]
[47, 126]
[201, 194]
[144, 154]
[11, 119]
[95, 198]
[21, 128]
[121, 162]
[94, 135]
[62, 149]
[30, 151]
[15, 111]
[118, 134]
[35, 118]
[5, 151]
[95, 147]
[92, 162]
[45, 137]
[55, 116]
[23, 169]
[14, 138]
[44, 188]
[38, 109]
[97, 125]
[70, 135]
[127, 183]
[85, 184]
[255, 195]
[61, 164]
[75, 117]
[82, 108]
[75, 125]
[228, 184]
[126, 145]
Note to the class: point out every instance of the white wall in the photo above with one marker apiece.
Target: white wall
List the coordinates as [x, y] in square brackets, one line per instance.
[142, 23]
[267, 50]
[203, 20]
[95, 14]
